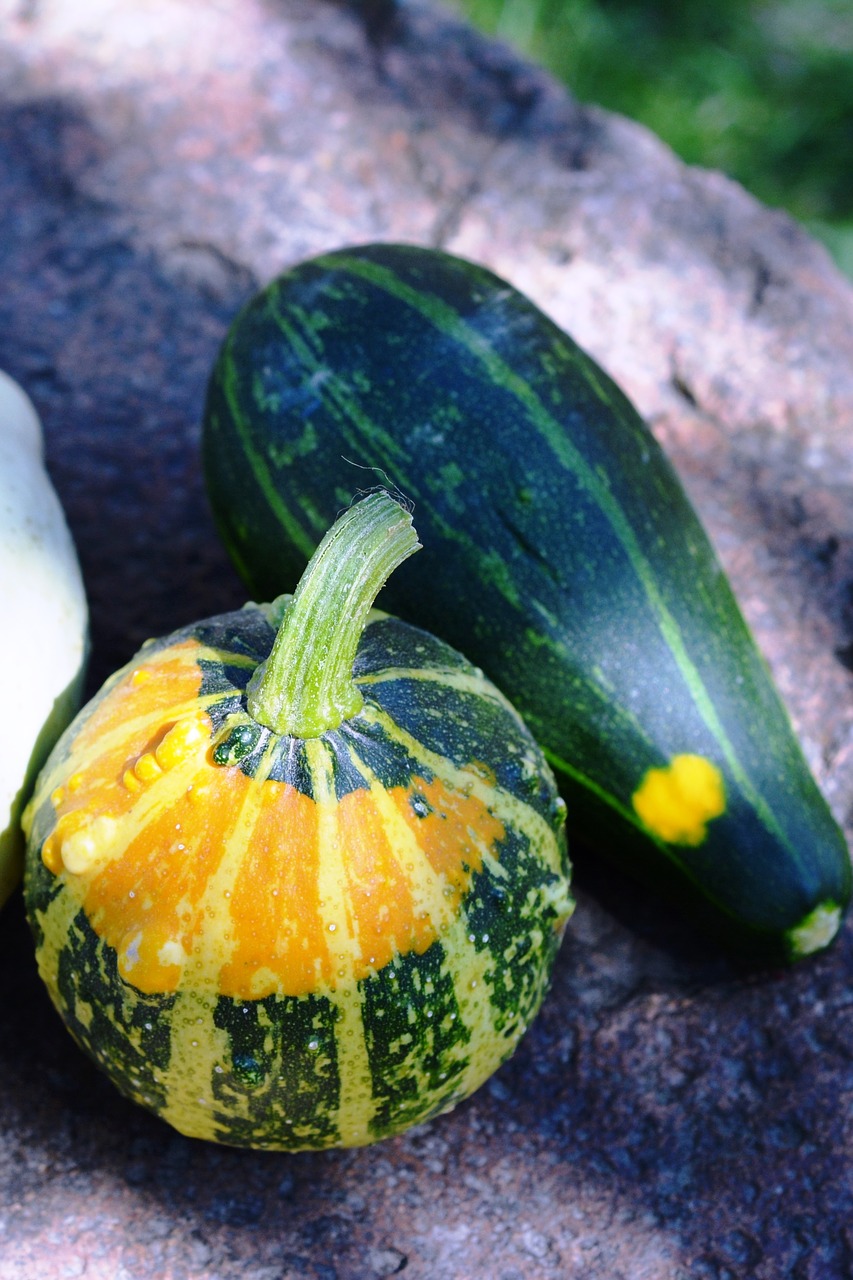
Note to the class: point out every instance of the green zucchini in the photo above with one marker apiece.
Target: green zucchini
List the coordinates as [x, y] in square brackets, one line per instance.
[561, 555]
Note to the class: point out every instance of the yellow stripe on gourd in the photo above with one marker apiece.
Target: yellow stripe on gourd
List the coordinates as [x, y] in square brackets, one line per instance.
[676, 802]
[356, 1101]
[198, 1046]
[340, 924]
[468, 969]
[218, 928]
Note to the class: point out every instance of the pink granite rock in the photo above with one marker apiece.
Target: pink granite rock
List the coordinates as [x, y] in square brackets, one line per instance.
[665, 1117]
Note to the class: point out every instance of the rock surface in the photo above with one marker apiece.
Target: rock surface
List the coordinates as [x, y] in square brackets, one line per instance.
[666, 1117]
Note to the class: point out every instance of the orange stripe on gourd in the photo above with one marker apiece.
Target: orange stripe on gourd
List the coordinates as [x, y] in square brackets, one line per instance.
[150, 901]
[121, 821]
[406, 854]
[167, 679]
[147, 902]
[453, 830]
[282, 941]
[123, 728]
[275, 904]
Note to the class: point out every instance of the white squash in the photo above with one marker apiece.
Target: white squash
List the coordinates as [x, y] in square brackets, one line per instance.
[44, 631]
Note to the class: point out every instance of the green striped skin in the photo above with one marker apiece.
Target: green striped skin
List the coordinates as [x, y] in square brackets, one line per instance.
[293, 943]
[560, 554]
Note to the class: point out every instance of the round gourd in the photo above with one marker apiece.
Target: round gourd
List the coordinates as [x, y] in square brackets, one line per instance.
[297, 875]
[43, 651]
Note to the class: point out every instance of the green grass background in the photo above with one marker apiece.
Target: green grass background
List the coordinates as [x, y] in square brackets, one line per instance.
[762, 89]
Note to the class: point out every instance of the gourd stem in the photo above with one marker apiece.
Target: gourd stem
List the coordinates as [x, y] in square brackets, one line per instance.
[306, 685]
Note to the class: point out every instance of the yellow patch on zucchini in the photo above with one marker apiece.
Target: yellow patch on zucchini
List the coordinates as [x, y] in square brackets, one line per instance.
[677, 802]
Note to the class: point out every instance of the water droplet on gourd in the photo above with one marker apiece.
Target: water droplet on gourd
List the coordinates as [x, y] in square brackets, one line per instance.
[247, 1068]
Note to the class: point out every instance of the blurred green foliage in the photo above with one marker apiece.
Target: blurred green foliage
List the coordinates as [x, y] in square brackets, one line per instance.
[762, 89]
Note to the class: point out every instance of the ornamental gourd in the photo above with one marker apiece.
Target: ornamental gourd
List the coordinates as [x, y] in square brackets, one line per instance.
[561, 555]
[297, 875]
[43, 641]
